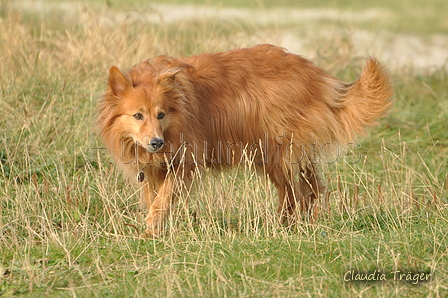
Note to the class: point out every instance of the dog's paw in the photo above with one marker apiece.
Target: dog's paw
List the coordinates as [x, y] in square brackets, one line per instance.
[152, 233]
[154, 222]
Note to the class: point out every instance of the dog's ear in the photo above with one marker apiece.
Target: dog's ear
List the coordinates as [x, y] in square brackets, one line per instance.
[118, 82]
[166, 79]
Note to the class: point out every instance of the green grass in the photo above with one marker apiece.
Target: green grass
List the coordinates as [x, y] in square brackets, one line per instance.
[71, 226]
[401, 16]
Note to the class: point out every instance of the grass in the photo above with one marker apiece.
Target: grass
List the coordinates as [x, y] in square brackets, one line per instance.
[71, 226]
[401, 16]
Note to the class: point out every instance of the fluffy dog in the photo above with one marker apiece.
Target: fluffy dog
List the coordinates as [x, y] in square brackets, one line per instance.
[167, 118]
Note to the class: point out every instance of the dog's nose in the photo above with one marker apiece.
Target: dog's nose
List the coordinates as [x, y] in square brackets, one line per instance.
[156, 143]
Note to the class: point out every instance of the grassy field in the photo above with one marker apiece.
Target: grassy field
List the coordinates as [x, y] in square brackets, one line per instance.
[71, 226]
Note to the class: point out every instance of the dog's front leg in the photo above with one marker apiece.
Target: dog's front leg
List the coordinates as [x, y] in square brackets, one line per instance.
[160, 207]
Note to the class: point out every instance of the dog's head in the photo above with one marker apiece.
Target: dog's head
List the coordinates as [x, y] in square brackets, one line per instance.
[141, 103]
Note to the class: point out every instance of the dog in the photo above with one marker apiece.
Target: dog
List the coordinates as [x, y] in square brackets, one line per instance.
[168, 118]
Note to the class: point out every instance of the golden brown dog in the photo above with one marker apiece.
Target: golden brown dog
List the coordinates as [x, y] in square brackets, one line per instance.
[167, 118]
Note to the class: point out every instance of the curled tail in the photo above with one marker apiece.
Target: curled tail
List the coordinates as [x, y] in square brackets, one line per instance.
[366, 99]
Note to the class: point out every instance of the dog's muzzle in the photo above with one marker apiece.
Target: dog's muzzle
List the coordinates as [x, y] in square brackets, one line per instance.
[155, 144]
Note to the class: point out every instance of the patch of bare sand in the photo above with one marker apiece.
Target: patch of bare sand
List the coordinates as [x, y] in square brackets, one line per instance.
[398, 51]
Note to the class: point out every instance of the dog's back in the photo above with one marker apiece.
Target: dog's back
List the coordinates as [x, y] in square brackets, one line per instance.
[266, 94]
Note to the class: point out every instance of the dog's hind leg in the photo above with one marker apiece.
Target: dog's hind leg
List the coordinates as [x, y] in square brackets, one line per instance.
[287, 190]
[295, 191]
[310, 187]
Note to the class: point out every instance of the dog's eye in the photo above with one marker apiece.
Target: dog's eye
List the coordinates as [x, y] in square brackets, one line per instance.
[138, 116]
[160, 116]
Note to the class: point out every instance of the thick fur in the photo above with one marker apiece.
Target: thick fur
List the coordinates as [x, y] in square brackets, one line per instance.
[262, 104]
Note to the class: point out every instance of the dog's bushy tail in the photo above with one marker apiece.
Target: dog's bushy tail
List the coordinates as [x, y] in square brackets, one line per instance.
[365, 100]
